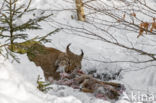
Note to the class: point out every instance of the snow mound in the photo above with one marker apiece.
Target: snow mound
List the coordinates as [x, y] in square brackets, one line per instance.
[14, 89]
[63, 91]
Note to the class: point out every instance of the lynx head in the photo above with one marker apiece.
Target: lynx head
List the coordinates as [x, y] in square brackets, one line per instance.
[74, 60]
[62, 62]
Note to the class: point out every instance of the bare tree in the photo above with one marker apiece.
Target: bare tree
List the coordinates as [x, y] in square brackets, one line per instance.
[134, 17]
[80, 10]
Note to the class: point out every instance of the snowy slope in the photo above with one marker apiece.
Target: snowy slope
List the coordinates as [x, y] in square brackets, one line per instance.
[15, 89]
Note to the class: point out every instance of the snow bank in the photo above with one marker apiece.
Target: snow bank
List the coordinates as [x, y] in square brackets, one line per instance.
[14, 89]
[63, 91]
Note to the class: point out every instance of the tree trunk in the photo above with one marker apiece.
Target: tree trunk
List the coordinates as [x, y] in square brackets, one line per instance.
[80, 10]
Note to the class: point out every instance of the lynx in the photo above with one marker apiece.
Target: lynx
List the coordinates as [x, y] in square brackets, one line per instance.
[53, 61]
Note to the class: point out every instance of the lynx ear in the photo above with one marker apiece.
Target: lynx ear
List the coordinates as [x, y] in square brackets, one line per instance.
[68, 50]
[82, 54]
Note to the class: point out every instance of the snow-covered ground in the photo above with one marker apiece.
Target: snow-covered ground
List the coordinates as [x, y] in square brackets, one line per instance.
[15, 87]
[18, 81]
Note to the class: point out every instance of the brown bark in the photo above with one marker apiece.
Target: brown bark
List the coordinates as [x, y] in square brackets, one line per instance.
[80, 10]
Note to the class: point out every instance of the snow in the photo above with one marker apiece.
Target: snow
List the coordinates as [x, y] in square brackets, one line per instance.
[15, 89]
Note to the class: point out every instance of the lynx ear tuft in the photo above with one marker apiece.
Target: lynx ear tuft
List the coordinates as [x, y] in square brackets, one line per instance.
[68, 50]
[82, 54]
